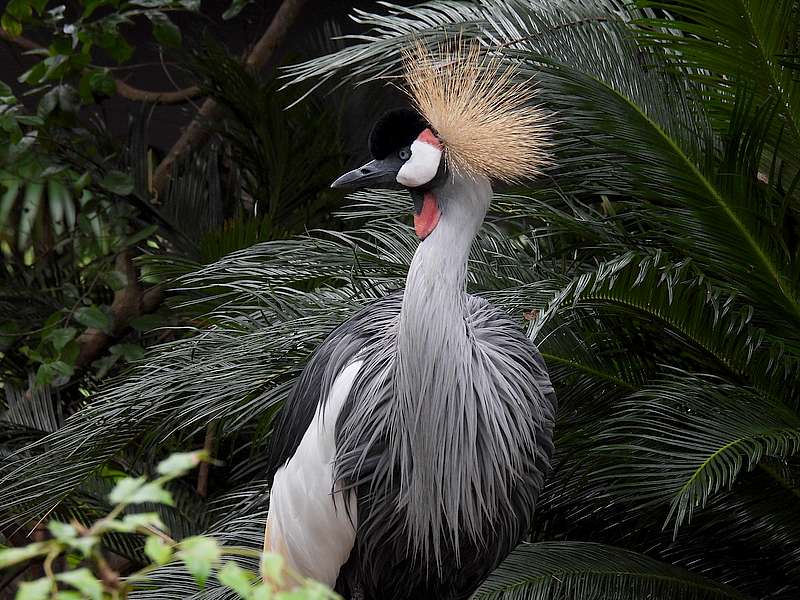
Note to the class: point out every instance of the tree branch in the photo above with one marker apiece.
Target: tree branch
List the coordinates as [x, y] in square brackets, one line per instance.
[129, 303]
[137, 95]
[123, 89]
[19, 41]
[196, 133]
[208, 447]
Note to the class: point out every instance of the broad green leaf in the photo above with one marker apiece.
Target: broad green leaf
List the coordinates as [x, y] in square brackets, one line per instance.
[83, 181]
[8, 122]
[234, 9]
[119, 49]
[104, 363]
[12, 556]
[69, 595]
[11, 25]
[61, 337]
[94, 316]
[145, 323]
[60, 45]
[89, 6]
[150, 519]
[50, 371]
[62, 531]
[180, 463]
[131, 523]
[130, 352]
[235, 577]
[30, 210]
[102, 82]
[84, 545]
[58, 197]
[157, 550]
[293, 595]
[69, 100]
[34, 590]
[143, 234]
[199, 555]
[272, 566]
[48, 103]
[33, 75]
[116, 280]
[69, 353]
[21, 9]
[118, 183]
[164, 30]
[83, 580]
[30, 120]
[262, 591]
[8, 335]
[133, 490]
[8, 200]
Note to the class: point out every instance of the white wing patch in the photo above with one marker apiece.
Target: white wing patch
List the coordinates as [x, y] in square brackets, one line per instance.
[307, 523]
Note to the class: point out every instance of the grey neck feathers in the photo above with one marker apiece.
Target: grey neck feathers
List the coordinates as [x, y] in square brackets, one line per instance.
[432, 317]
[434, 358]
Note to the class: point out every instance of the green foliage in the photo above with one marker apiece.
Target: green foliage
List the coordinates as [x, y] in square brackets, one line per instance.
[578, 570]
[655, 266]
[70, 52]
[68, 203]
[200, 555]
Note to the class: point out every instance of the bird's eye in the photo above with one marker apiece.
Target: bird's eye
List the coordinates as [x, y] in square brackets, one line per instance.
[404, 154]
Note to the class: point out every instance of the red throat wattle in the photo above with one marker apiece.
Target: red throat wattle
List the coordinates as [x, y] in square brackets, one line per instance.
[428, 218]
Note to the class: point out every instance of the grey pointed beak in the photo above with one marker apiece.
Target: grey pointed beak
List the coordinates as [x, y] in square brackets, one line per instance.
[376, 173]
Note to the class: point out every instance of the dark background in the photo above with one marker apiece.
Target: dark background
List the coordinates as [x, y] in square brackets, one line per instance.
[148, 70]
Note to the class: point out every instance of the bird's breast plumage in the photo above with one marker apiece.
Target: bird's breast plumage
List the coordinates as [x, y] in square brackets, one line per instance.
[445, 460]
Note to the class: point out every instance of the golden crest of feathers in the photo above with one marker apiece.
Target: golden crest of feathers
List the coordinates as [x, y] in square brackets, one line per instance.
[480, 113]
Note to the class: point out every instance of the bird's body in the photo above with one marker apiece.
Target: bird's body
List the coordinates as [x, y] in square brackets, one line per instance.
[438, 413]
[409, 456]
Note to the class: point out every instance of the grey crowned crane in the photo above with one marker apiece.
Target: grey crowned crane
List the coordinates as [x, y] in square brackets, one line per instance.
[409, 456]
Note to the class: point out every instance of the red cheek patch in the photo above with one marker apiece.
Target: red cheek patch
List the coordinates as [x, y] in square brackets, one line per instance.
[428, 218]
[428, 137]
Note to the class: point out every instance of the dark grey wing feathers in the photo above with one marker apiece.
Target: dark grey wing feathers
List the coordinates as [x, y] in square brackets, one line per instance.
[315, 381]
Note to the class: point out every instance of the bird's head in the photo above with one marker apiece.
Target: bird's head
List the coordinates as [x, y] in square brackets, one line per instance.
[472, 118]
[406, 153]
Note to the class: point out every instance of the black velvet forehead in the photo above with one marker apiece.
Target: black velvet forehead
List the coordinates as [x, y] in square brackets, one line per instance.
[395, 129]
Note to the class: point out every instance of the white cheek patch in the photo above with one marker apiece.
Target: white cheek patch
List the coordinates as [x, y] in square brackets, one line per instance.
[424, 162]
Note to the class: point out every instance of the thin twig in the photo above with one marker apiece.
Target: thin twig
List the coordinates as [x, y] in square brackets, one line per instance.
[123, 89]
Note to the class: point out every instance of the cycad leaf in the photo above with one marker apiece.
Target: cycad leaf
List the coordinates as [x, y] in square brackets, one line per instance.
[683, 439]
[588, 571]
[624, 124]
[755, 37]
[679, 298]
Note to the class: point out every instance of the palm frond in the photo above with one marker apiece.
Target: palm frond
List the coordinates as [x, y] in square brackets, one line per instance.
[725, 45]
[621, 127]
[678, 297]
[583, 570]
[29, 414]
[684, 438]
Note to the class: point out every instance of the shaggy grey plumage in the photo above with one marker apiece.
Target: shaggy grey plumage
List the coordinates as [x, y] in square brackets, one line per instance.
[447, 432]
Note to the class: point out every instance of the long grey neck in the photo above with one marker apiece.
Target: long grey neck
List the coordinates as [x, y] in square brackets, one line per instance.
[434, 302]
[432, 395]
